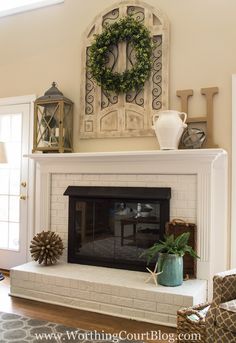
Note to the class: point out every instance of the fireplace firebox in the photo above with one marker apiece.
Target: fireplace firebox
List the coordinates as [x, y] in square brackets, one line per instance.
[112, 226]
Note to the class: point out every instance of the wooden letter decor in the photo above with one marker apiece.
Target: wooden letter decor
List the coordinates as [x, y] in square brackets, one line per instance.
[205, 119]
[108, 114]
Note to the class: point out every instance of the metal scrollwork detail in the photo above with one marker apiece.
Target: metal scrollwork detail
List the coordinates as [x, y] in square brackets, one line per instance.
[108, 98]
[136, 12]
[134, 97]
[157, 74]
[89, 89]
[110, 17]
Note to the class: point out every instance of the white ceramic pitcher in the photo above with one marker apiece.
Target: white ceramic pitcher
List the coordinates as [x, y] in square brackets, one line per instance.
[169, 126]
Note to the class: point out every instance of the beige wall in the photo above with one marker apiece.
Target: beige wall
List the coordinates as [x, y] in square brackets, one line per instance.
[42, 46]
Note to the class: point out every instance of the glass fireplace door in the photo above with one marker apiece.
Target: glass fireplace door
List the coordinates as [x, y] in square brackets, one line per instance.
[115, 232]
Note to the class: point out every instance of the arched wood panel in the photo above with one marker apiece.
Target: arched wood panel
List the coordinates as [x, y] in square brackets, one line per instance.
[130, 114]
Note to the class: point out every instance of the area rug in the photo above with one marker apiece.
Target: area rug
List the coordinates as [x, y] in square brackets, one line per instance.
[20, 329]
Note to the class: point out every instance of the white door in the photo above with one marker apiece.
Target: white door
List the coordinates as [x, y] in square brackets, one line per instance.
[14, 131]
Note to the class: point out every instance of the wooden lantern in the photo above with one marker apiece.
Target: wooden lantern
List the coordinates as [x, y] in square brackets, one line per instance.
[53, 122]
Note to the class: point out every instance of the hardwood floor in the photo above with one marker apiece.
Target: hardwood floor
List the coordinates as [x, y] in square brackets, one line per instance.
[72, 317]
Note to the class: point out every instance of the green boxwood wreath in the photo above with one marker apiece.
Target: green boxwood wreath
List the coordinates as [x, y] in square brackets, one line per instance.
[130, 30]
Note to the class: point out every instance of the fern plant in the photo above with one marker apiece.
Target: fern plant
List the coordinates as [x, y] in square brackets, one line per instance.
[177, 246]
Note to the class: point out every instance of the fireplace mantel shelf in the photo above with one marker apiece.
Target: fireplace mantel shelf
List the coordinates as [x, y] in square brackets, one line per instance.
[186, 154]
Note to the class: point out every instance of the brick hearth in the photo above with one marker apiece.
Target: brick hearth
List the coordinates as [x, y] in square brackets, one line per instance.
[116, 292]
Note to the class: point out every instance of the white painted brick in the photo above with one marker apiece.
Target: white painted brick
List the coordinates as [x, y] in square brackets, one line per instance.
[59, 220]
[25, 276]
[90, 177]
[85, 285]
[156, 317]
[74, 283]
[179, 204]
[167, 308]
[62, 198]
[99, 297]
[126, 177]
[110, 309]
[58, 176]
[191, 204]
[58, 191]
[174, 195]
[144, 305]
[122, 301]
[86, 305]
[173, 213]
[102, 288]
[60, 229]
[38, 278]
[164, 298]
[62, 213]
[32, 277]
[168, 178]
[178, 300]
[164, 308]
[53, 214]
[172, 320]
[73, 177]
[15, 274]
[63, 183]
[135, 184]
[144, 295]
[68, 292]
[58, 206]
[116, 290]
[61, 282]
[147, 178]
[188, 301]
[124, 292]
[127, 292]
[181, 185]
[78, 293]
[45, 279]
[82, 183]
[132, 313]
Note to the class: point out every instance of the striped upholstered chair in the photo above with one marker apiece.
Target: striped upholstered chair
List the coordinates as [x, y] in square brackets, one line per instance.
[221, 317]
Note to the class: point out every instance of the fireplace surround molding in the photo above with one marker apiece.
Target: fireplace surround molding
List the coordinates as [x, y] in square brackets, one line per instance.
[209, 166]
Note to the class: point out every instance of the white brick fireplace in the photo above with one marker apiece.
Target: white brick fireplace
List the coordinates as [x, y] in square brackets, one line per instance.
[198, 181]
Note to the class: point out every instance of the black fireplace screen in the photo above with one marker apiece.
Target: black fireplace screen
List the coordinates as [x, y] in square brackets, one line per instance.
[112, 226]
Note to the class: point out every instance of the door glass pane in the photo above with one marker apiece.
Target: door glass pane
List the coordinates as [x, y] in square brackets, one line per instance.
[14, 209]
[15, 182]
[4, 181]
[3, 207]
[10, 133]
[5, 128]
[14, 236]
[4, 235]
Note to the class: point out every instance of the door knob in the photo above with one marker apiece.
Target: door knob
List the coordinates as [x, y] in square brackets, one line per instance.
[23, 184]
[22, 197]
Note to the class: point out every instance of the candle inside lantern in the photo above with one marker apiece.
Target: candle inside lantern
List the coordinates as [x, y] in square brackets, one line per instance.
[57, 132]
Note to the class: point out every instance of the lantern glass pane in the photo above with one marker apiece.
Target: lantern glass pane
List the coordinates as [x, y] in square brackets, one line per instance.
[48, 125]
[67, 126]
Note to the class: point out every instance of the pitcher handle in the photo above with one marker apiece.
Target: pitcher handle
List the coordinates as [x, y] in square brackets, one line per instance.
[156, 115]
[184, 117]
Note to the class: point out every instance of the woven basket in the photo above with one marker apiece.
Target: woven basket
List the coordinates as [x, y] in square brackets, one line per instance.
[188, 326]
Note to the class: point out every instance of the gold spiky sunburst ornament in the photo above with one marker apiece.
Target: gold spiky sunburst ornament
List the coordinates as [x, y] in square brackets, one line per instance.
[46, 247]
